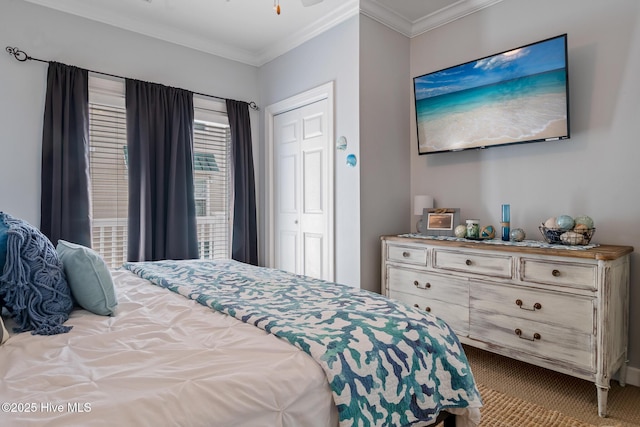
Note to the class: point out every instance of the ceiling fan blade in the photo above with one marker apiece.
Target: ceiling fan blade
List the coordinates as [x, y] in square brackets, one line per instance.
[306, 3]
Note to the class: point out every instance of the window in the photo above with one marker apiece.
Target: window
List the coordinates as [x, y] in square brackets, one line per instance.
[211, 164]
[201, 189]
[109, 176]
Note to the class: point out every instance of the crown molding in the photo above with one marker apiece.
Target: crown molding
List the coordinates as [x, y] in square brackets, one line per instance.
[214, 47]
[444, 16]
[386, 16]
[458, 10]
[156, 31]
[348, 9]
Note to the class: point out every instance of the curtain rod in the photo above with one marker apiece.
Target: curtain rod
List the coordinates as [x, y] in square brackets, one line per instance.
[22, 56]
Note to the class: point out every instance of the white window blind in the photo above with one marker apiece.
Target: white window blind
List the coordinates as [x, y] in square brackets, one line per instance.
[108, 167]
[109, 175]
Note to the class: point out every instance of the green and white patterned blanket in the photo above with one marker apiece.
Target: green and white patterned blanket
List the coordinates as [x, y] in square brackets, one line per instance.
[387, 363]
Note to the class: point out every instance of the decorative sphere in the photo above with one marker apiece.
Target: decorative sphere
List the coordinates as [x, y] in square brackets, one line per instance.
[580, 228]
[487, 232]
[572, 238]
[460, 231]
[518, 235]
[584, 220]
[565, 222]
[551, 222]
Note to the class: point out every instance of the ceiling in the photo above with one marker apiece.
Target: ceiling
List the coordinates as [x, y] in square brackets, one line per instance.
[250, 31]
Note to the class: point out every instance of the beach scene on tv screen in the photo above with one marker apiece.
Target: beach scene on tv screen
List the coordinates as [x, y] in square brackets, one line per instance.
[516, 96]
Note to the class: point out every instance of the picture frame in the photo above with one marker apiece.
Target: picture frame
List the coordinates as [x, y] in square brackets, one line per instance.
[440, 221]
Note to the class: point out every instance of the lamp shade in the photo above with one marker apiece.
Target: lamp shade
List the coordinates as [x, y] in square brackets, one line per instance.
[420, 203]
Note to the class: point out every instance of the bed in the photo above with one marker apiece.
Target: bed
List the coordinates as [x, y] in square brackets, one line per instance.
[181, 350]
[161, 360]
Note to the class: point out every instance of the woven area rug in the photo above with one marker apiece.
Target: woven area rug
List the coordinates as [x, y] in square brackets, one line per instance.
[553, 391]
[500, 410]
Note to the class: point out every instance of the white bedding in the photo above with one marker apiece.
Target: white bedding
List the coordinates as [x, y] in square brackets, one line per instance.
[162, 360]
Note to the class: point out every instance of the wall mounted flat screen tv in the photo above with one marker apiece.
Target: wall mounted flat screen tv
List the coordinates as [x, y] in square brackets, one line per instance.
[517, 96]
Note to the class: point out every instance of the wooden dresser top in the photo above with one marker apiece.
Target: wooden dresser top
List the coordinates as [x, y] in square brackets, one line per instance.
[600, 252]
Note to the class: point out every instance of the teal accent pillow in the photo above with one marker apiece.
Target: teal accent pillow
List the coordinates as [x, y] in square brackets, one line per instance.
[89, 278]
[3, 245]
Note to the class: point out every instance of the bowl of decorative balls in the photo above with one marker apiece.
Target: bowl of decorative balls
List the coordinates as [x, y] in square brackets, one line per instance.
[567, 230]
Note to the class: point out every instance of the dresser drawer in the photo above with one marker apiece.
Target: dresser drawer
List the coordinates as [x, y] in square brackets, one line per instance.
[566, 311]
[456, 316]
[557, 273]
[428, 285]
[407, 254]
[472, 262]
[539, 339]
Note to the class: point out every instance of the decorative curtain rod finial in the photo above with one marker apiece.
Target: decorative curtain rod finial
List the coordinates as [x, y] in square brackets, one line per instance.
[254, 106]
[20, 55]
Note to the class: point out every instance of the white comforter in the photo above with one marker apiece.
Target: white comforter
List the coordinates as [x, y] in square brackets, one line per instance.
[162, 360]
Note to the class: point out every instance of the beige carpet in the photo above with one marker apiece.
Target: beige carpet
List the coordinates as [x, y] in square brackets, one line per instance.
[540, 397]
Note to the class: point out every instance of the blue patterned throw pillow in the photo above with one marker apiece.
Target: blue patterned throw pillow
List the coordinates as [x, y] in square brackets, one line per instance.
[33, 284]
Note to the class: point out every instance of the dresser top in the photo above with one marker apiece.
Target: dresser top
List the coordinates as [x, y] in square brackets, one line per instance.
[600, 252]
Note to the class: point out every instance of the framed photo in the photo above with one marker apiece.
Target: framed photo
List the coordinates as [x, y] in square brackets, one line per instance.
[440, 221]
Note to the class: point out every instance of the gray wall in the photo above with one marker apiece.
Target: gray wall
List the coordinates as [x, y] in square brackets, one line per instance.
[47, 34]
[370, 66]
[331, 56]
[384, 134]
[595, 172]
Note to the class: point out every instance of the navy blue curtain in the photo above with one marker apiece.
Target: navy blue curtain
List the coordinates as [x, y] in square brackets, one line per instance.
[244, 246]
[162, 212]
[65, 208]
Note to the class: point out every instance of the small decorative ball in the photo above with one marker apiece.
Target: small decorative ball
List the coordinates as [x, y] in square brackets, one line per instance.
[518, 235]
[580, 228]
[551, 222]
[460, 231]
[584, 220]
[565, 222]
[572, 238]
[487, 232]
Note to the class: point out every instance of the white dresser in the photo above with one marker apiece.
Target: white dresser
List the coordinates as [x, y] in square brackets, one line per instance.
[561, 309]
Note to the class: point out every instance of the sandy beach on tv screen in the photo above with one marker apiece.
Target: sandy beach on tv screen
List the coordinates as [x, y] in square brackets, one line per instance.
[531, 118]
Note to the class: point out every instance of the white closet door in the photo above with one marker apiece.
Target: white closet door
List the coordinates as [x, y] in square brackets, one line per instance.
[301, 181]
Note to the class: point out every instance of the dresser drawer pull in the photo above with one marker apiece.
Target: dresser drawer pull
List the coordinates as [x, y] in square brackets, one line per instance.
[468, 262]
[536, 336]
[536, 306]
[417, 285]
[406, 254]
[555, 273]
[428, 309]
